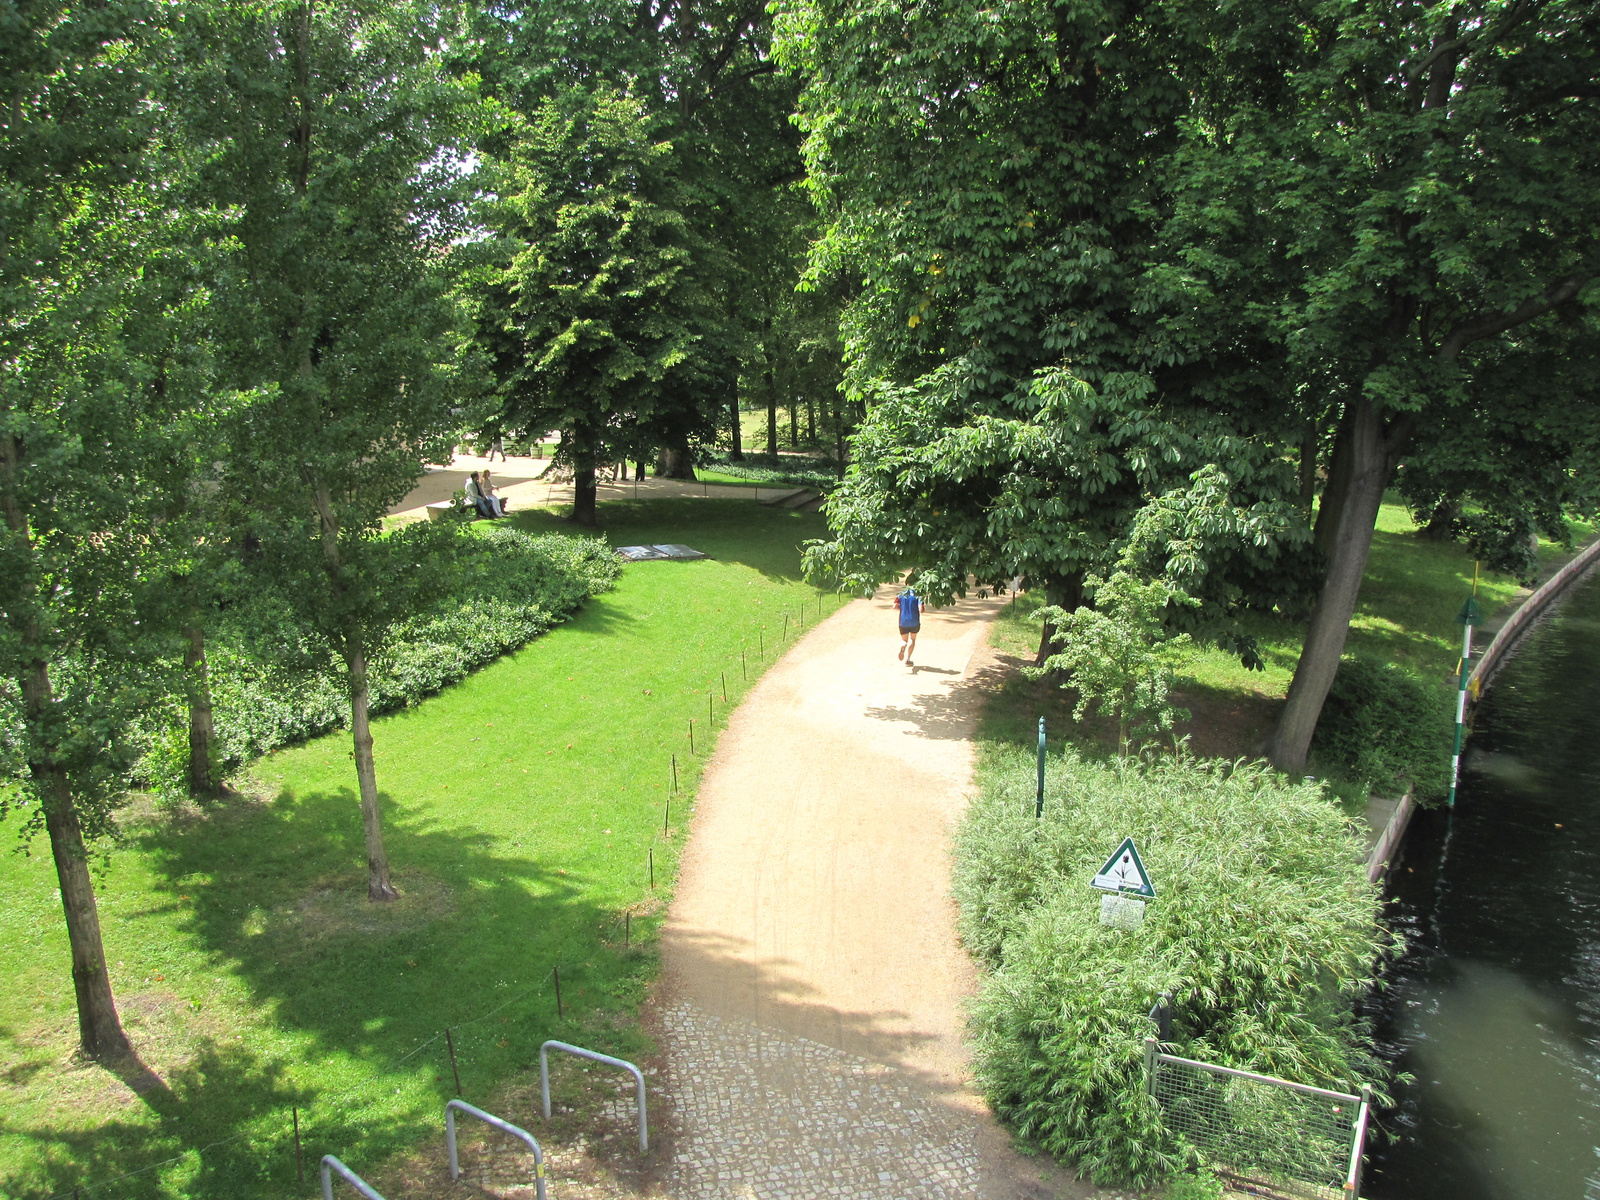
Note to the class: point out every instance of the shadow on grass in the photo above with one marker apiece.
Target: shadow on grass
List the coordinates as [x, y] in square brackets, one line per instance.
[355, 996]
[766, 539]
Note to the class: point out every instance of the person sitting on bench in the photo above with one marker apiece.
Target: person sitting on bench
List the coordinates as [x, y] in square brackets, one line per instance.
[489, 494]
[478, 500]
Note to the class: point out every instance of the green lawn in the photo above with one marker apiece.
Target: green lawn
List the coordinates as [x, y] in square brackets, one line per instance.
[1409, 600]
[521, 809]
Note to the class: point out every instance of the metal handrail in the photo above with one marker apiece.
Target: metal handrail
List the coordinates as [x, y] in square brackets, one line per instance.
[330, 1164]
[638, 1078]
[455, 1106]
[1272, 1079]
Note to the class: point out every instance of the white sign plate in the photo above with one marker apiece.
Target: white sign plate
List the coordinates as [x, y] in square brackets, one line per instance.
[1124, 873]
[1121, 912]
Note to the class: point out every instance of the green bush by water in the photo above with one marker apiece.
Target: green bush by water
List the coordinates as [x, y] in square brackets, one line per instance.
[1386, 730]
[1263, 930]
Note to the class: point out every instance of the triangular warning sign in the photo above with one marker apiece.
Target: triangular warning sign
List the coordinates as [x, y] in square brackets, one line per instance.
[1124, 873]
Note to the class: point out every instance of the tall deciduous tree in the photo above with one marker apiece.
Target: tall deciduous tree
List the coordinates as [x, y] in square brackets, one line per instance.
[592, 316]
[704, 82]
[996, 178]
[82, 424]
[324, 138]
[1388, 195]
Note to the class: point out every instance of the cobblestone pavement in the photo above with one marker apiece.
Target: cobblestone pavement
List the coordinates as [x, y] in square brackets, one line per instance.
[784, 1118]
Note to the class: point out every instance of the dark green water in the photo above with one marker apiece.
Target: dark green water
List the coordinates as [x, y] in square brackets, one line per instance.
[1496, 1006]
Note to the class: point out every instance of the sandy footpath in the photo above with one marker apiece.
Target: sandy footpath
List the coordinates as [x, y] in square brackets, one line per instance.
[813, 990]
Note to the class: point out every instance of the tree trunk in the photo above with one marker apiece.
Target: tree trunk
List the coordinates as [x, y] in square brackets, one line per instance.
[638, 469]
[1334, 493]
[1366, 474]
[1066, 594]
[1441, 526]
[675, 461]
[100, 1032]
[585, 496]
[737, 451]
[99, 1028]
[202, 726]
[772, 411]
[1308, 466]
[378, 885]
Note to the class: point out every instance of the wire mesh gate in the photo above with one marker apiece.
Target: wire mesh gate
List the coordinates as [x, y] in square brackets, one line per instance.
[1288, 1137]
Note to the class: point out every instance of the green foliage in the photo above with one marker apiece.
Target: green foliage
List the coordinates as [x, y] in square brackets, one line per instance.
[517, 586]
[1263, 929]
[1195, 1185]
[1386, 729]
[771, 468]
[1119, 656]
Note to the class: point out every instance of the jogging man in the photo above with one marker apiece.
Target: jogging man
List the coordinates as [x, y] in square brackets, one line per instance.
[908, 607]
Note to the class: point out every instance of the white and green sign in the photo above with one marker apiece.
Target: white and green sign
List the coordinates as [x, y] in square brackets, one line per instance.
[1124, 873]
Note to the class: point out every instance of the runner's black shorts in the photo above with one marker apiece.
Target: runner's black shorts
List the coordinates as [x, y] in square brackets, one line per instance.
[917, 628]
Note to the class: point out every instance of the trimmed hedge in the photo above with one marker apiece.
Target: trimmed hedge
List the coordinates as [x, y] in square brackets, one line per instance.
[1385, 729]
[521, 585]
[1263, 929]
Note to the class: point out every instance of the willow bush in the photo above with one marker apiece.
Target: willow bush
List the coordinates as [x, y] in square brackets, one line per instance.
[1264, 930]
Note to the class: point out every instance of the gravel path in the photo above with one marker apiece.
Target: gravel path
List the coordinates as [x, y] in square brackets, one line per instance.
[813, 989]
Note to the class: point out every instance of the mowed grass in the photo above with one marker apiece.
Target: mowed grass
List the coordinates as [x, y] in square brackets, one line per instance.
[1410, 596]
[521, 807]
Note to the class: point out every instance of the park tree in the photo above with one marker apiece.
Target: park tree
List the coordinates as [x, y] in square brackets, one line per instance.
[589, 314]
[1402, 200]
[86, 417]
[993, 183]
[704, 83]
[322, 138]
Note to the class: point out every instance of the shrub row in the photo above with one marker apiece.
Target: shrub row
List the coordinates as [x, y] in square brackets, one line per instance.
[520, 586]
[1263, 930]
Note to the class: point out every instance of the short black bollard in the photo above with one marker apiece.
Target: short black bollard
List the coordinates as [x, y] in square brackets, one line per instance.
[652, 854]
[691, 735]
[561, 1013]
[666, 816]
[674, 773]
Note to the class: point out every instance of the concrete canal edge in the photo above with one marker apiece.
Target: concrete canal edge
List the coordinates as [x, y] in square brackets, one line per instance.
[1389, 819]
[1526, 613]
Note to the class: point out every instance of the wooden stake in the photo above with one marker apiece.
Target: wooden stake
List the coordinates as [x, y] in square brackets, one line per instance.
[560, 1012]
[743, 670]
[652, 853]
[627, 929]
[674, 772]
[691, 735]
[299, 1162]
[450, 1044]
[666, 816]
[724, 687]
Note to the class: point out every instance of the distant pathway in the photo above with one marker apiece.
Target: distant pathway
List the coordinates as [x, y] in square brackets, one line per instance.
[521, 481]
[813, 988]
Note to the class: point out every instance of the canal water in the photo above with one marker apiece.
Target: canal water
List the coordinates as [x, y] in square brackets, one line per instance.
[1495, 1008]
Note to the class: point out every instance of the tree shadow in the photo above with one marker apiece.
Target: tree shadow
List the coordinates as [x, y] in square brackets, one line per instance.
[347, 999]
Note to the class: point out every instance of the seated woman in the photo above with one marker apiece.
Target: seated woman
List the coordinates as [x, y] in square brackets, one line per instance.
[489, 495]
[482, 503]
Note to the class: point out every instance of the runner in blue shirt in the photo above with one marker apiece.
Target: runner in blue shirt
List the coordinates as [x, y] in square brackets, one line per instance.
[908, 608]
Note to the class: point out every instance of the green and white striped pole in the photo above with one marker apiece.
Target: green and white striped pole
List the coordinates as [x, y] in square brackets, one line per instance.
[1466, 618]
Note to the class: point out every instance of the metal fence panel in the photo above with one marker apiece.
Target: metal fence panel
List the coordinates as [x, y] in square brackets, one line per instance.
[1295, 1139]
